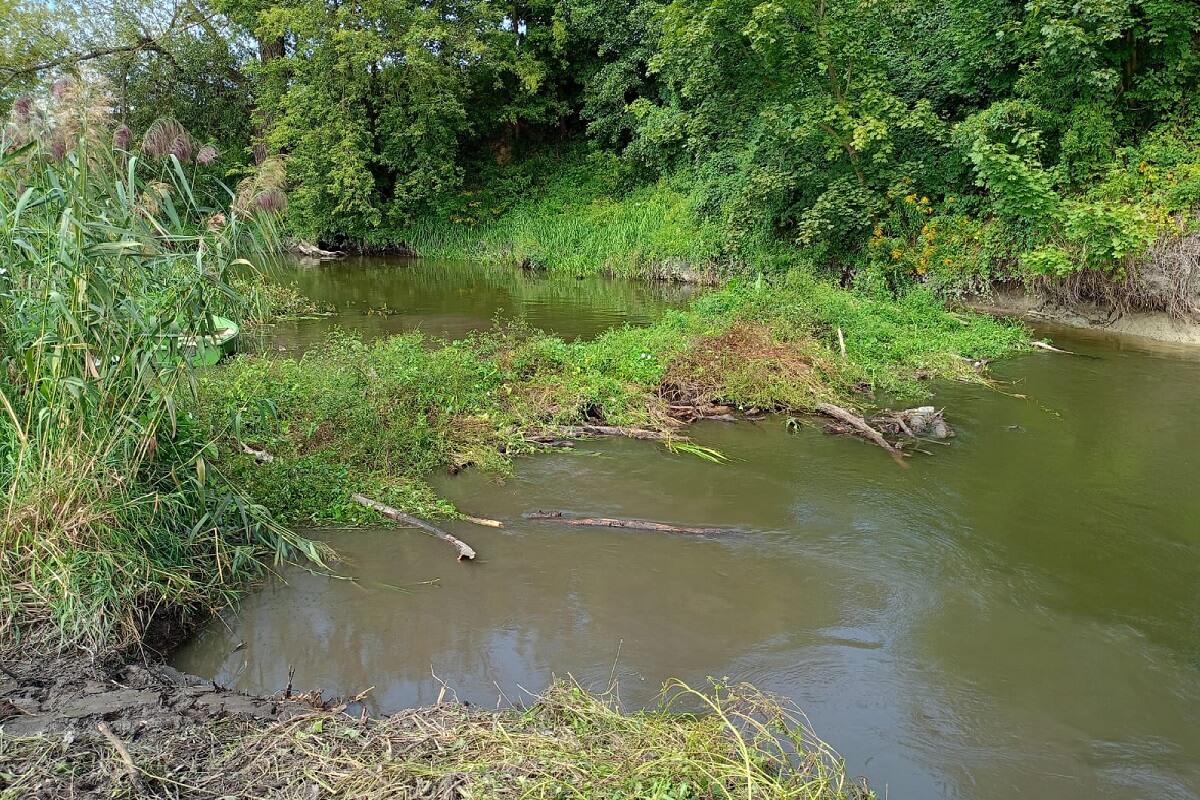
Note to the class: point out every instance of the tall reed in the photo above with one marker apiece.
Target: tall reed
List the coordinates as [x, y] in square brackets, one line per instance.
[108, 262]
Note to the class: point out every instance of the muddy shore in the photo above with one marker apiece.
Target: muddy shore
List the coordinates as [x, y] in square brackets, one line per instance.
[69, 729]
[61, 722]
[1147, 328]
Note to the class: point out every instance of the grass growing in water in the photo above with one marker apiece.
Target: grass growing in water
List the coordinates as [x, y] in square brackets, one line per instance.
[377, 417]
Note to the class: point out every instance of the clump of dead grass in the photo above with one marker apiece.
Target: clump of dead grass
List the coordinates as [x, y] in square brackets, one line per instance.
[748, 364]
[730, 742]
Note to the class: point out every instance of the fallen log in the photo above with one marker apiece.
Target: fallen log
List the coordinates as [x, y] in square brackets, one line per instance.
[630, 524]
[465, 553]
[1049, 348]
[487, 523]
[577, 431]
[925, 422]
[859, 424]
[307, 250]
[549, 441]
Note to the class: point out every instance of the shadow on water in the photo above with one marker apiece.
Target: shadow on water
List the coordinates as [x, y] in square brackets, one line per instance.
[1016, 615]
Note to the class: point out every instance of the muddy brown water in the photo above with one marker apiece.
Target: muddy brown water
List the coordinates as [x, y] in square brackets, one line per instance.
[1016, 615]
[447, 299]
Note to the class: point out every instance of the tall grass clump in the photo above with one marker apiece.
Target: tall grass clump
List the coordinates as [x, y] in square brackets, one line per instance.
[582, 215]
[110, 267]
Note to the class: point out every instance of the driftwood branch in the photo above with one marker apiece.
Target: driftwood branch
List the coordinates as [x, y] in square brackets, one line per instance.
[487, 523]
[860, 425]
[630, 524]
[261, 456]
[1049, 348]
[465, 553]
[134, 777]
[308, 250]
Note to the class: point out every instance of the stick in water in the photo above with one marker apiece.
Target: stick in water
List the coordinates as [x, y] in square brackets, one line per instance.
[860, 425]
[631, 524]
[487, 523]
[465, 553]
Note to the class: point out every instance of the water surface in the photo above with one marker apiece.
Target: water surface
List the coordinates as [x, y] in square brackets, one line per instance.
[381, 296]
[1016, 615]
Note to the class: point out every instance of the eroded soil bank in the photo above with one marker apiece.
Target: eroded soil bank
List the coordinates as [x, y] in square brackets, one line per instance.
[1042, 311]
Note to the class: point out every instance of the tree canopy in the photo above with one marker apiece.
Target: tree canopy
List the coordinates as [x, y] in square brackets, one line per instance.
[929, 137]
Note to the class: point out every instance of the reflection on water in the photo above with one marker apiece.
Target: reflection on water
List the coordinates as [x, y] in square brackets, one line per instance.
[382, 296]
[1017, 615]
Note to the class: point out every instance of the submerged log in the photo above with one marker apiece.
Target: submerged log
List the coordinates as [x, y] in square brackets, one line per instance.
[630, 524]
[862, 427]
[465, 553]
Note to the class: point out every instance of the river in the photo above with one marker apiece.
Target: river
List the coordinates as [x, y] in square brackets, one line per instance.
[1017, 614]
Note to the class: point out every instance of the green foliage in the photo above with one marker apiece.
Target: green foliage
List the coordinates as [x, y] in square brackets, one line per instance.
[577, 216]
[1052, 124]
[378, 417]
[113, 510]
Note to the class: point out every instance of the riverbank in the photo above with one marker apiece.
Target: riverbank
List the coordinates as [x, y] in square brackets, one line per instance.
[71, 729]
[1038, 309]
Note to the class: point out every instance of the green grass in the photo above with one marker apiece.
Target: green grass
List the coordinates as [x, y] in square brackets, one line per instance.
[112, 510]
[644, 233]
[583, 214]
[378, 417]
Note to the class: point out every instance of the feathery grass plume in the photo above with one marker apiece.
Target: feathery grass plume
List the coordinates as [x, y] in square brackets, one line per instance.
[206, 156]
[264, 190]
[22, 110]
[122, 136]
[166, 136]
